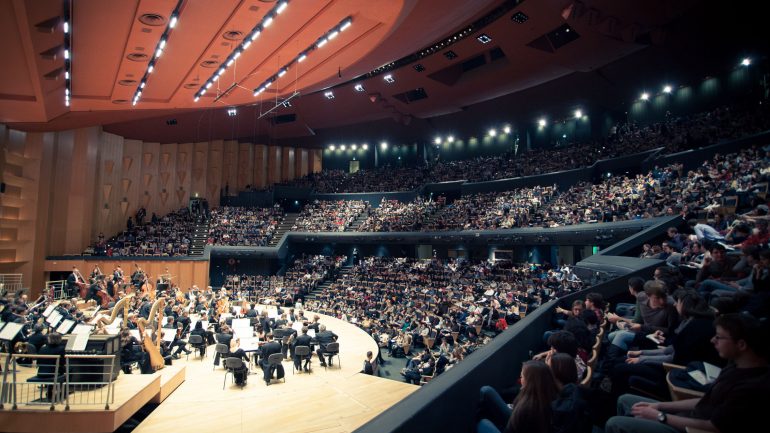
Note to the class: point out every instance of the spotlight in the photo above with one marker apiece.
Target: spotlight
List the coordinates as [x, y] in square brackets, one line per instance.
[645, 96]
[301, 57]
[384, 145]
[450, 139]
[322, 42]
[507, 129]
[232, 111]
[342, 147]
[329, 95]
[173, 21]
[359, 88]
[437, 140]
[266, 23]
[282, 72]
[333, 35]
[281, 7]
[492, 132]
[746, 61]
[484, 38]
[578, 114]
[346, 24]
[667, 89]
[389, 79]
[331, 147]
[354, 146]
[541, 123]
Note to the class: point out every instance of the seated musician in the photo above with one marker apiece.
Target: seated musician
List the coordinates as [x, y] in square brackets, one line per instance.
[273, 347]
[72, 283]
[303, 340]
[198, 330]
[324, 337]
[179, 343]
[46, 367]
[130, 351]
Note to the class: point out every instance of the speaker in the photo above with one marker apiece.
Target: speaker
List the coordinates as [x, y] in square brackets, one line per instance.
[2, 187]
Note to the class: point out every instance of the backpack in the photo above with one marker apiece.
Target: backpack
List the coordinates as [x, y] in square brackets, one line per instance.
[570, 412]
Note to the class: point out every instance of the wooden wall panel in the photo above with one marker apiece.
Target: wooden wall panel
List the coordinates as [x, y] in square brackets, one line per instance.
[260, 166]
[186, 273]
[245, 166]
[274, 164]
[316, 164]
[287, 163]
[230, 167]
[183, 173]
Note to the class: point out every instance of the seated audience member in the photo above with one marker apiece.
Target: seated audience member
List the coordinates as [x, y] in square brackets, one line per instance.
[368, 364]
[570, 409]
[563, 342]
[531, 411]
[719, 266]
[734, 403]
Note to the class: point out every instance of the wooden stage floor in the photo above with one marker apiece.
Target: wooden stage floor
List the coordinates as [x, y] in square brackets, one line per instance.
[332, 400]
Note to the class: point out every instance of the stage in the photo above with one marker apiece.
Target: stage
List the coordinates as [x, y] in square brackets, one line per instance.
[336, 399]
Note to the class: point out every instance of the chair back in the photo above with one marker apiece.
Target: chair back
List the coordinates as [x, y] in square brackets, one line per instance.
[275, 359]
[221, 348]
[195, 339]
[333, 347]
[233, 363]
[302, 350]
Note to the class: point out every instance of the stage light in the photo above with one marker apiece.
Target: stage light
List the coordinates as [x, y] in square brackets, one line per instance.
[331, 147]
[384, 145]
[492, 132]
[322, 42]
[329, 95]
[746, 61]
[645, 96]
[542, 122]
[389, 79]
[484, 39]
[359, 87]
[266, 23]
[342, 147]
[437, 140]
[282, 72]
[507, 129]
[172, 22]
[450, 139]
[354, 146]
[667, 89]
[281, 7]
[578, 114]
[232, 112]
[365, 146]
[301, 58]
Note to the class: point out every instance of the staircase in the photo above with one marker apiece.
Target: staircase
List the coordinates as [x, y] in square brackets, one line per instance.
[199, 238]
[358, 221]
[285, 226]
[344, 271]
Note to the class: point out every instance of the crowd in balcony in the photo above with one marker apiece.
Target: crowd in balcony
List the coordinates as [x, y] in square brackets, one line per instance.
[396, 216]
[329, 216]
[243, 226]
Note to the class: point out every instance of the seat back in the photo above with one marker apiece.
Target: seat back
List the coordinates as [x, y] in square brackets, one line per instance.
[195, 339]
[233, 363]
[302, 351]
[221, 348]
[275, 359]
[333, 347]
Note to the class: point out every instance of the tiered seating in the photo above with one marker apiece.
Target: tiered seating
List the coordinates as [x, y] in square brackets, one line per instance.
[329, 216]
[161, 237]
[243, 226]
[395, 216]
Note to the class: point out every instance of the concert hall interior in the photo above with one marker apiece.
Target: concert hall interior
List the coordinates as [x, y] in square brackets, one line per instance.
[383, 216]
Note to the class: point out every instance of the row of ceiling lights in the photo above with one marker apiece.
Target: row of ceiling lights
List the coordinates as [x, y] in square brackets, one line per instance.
[158, 52]
[67, 53]
[320, 42]
[247, 41]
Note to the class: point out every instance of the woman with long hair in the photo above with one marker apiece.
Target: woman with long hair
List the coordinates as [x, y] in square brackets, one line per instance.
[531, 411]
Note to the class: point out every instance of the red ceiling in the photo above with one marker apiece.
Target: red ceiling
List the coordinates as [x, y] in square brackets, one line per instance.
[105, 33]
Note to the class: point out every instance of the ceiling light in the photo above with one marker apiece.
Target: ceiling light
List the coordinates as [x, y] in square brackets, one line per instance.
[346, 24]
[66, 53]
[162, 44]
[645, 96]
[492, 132]
[342, 147]
[203, 92]
[230, 62]
[246, 44]
[389, 79]
[172, 22]
[301, 57]
[215, 78]
[578, 114]
[437, 140]
[354, 146]
[66, 75]
[384, 145]
[484, 38]
[196, 98]
[746, 61]
[236, 55]
[507, 129]
[359, 88]
[322, 42]
[158, 52]
[150, 68]
[450, 139]
[281, 7]
[208, 85]
[282, 72]
[329, 95]
[365, 146]
[667, 89]
[268, 84]
[542, 122]
[255, 35]
[268, 20]
[66, 27]
[333, 34]
[232, 111]
[331, 147]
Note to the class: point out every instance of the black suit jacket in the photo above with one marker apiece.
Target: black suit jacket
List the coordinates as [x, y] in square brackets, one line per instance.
[303, 340]
[325, 337]
[269, 349]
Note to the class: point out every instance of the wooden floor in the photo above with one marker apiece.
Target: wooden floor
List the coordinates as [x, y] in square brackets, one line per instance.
[332, 400]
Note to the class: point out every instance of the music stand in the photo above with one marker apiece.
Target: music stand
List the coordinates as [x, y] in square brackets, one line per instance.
[7, 334]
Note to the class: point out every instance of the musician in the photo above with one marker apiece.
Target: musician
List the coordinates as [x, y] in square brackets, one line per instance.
[274, 346]
[145, 308]
[198, 330]
[38, 337]
[324, 337]
[138, 278]
[179, 343]
[93, 291]
[96, 273]
[53, 347]
[117, 275]
[303, 340]
[72, 282]
[130, 351]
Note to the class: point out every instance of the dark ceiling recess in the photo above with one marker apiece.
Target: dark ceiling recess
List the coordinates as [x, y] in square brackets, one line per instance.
[411, 96]
[171, 122]
[137, 57]
[555, 39]
[450, 55]
[496, 53]
[283, 118]
[474, 62]
[519, 17]
[153, 20]
[419, 67]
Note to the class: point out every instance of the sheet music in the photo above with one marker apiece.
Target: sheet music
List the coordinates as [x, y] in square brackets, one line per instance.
[114, 327]
[205, 324]
[82, 329]
[80, 341]
[237, 310]
[66, 326]
[241, 323]
[311, 333]
[54, 318]
[242, 333]
[10, 330]
[135, 333]
[169, 336]
[48, 310]
[224, 316]
[297, 326]
[250, 343]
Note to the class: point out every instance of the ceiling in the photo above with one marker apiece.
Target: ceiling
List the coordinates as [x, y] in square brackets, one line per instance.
[114, 41]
